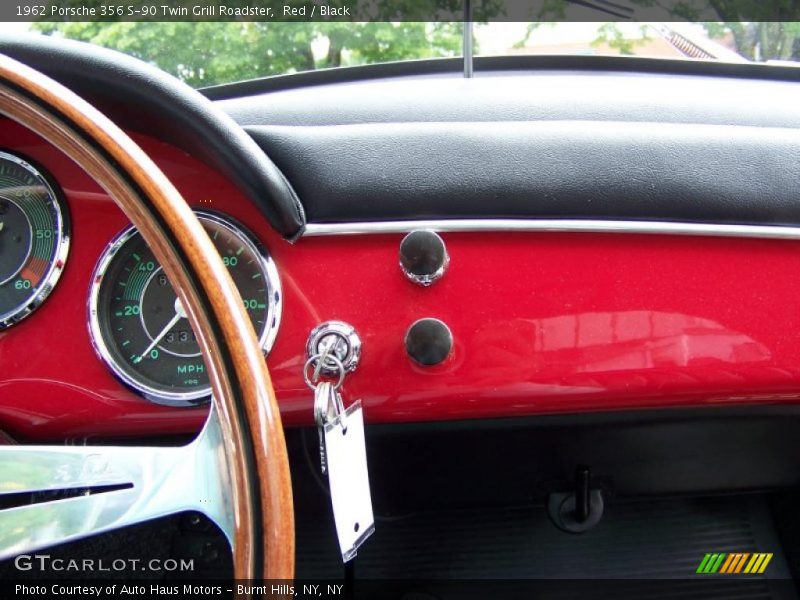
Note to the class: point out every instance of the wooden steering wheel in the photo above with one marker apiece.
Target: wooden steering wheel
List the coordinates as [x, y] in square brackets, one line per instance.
[236, 471]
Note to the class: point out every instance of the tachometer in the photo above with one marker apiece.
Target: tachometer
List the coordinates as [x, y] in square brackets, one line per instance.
[34, 238]
[140, 329]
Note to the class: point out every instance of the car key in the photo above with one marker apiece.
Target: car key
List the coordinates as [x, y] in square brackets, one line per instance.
[343, 458]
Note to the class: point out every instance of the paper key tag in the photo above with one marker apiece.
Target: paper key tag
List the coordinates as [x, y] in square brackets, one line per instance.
[346, 456]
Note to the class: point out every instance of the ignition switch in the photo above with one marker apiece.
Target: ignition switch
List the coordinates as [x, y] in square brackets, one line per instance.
[338, 339]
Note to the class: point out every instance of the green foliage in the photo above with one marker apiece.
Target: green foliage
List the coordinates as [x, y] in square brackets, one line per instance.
[208, 53]
[611, 35]
[761, 30]
[760, 41]
[529, 31]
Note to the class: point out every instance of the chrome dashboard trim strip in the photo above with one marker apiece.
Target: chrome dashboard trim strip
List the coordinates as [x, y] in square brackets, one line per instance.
[556, 225]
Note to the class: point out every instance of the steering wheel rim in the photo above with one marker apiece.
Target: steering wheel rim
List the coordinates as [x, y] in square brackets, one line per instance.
[244, 406]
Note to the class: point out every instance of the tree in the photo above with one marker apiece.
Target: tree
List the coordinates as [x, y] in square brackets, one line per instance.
[610, 35]
[208, 53]
[760, 41]
[761, 29]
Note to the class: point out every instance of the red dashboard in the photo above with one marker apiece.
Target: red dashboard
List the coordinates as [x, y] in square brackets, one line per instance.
[542, 322]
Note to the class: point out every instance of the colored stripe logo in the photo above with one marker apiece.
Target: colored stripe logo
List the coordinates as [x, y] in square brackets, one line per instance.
[735, 562]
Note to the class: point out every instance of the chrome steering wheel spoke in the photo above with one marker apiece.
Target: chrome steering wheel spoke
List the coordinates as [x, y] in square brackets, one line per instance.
[55, 494]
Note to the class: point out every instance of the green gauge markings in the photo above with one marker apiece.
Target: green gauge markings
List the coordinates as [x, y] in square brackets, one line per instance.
[141, 329]
[34, 238]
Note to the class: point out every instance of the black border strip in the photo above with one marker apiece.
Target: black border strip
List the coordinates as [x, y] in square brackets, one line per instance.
[247, 441]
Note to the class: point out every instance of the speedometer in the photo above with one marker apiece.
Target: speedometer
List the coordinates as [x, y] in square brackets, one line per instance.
[140, 328]
[34, 238]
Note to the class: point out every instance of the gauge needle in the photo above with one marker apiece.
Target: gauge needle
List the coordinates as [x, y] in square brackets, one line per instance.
[179, 314]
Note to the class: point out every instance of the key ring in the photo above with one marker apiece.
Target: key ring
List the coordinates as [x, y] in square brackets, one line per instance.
[311, 363]
[328, 406]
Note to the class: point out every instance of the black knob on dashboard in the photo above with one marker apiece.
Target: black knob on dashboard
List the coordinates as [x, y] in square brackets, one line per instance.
[423, 256]
[429, 341]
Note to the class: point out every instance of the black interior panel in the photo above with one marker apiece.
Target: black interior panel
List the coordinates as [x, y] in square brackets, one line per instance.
[639, 90]
[540, 169]
[630, 454]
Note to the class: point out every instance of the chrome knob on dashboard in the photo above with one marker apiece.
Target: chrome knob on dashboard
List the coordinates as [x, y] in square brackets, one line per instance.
[429, 341]
[423, 256]
[338, 339]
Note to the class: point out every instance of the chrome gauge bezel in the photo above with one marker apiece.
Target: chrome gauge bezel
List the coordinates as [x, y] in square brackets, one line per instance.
[275, 299]
[199, 396]
[59, 260]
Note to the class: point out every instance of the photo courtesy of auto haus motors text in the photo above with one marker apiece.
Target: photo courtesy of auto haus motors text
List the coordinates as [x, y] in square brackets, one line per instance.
[185, 590]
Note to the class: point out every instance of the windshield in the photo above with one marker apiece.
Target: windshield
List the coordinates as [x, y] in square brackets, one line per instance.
[211, 53]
